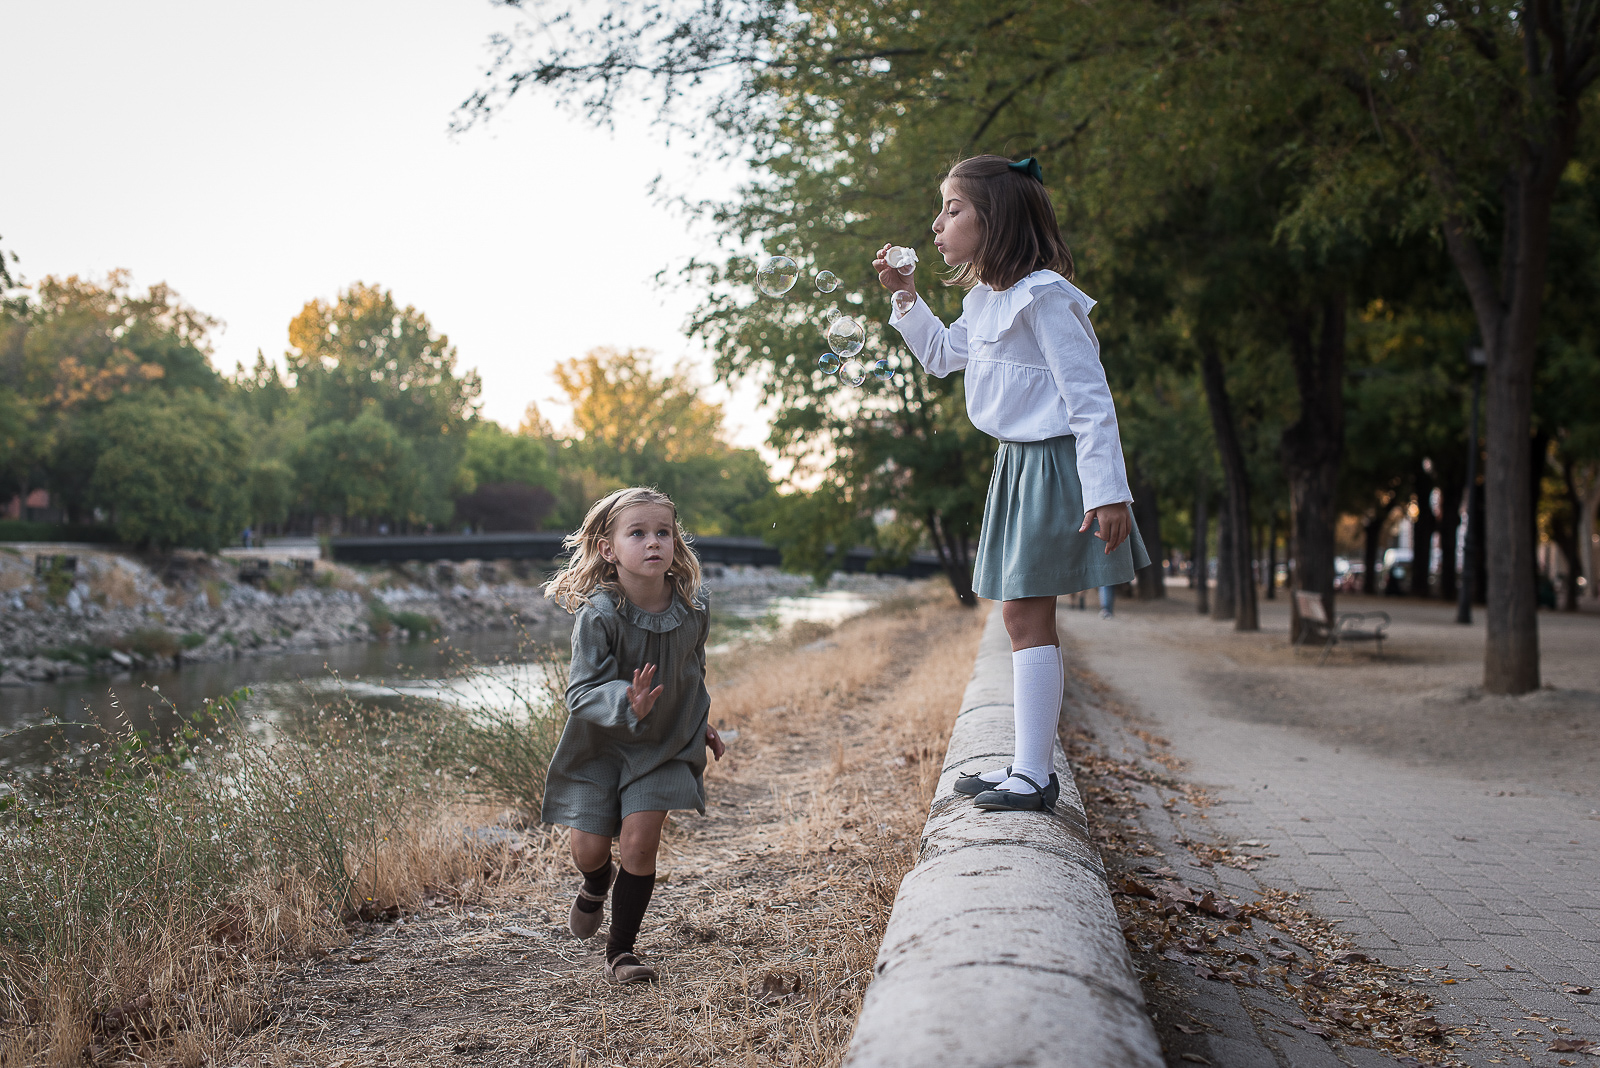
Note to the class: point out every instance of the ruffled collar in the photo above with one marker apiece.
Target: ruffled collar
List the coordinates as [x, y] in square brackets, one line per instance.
[670, 618]
[998, 311]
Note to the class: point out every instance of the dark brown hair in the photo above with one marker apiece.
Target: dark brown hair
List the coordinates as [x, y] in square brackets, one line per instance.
[1020, 232]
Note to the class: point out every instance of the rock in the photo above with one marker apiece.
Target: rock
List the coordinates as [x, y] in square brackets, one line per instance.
[122, 659]
[11, 678]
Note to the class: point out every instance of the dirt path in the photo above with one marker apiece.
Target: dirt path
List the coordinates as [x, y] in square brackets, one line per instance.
[768, 911]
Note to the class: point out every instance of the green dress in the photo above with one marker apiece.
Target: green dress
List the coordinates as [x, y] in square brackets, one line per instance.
[608, 763]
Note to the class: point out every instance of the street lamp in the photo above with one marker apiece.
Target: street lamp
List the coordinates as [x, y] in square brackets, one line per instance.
[1469, 571]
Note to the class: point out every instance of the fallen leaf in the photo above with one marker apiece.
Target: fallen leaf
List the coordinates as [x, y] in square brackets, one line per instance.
[361, 958]
[1132, 887]
[1186, 1029]
[1311, 1028]
[1320, 977]
[1208, 903]
[520, 932]
[1575, 1045]
[778, 986]
[1569, 988]
[1354, 958]
[1424, 1027]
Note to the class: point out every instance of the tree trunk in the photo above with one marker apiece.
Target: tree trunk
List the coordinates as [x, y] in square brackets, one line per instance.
[1564, 532]
[1202, 538]
[1224, 599]
[1236, 509]
[1475, 548]
[1151, 582]
[1422, 533]
[1373, 531]
[1311, 449]
[1449, 522]
[1588, 479]
[1272, 556]
[955, 556]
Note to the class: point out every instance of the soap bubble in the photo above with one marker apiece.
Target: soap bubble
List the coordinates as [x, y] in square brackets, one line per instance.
[903, 300]
[853, 372]
[845, 336]
[828, 362]
[827, 281]
[777, 276]
[882, 371]
[901, 259]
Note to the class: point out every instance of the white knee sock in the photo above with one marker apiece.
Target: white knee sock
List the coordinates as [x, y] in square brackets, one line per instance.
[1037, 675]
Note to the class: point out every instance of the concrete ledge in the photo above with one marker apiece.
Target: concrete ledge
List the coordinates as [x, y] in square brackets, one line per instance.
[1003, 948]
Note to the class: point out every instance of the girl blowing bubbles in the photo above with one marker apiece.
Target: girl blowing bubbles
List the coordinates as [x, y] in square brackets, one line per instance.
[1035, 382]
[634, 747]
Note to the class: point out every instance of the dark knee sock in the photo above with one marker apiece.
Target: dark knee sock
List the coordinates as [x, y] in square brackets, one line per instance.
[596, 882]
[629, 898]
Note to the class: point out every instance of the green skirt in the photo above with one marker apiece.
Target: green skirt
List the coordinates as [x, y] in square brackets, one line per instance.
[1030, 545]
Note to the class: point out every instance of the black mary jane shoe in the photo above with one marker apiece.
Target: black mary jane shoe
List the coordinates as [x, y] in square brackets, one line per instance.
[996, 800]
[975, 785]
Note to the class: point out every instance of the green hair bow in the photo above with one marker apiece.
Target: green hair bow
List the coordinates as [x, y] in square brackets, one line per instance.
[1030, 167]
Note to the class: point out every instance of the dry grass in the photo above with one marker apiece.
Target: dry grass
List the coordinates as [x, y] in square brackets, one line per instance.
[768, 912]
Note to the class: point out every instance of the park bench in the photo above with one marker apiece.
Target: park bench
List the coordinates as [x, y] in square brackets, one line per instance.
[1348, 627]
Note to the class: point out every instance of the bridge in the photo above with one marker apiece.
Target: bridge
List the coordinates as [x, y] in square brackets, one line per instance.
[546, 545]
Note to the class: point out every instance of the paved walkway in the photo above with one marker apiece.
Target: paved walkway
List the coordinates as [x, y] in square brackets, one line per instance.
[1444, 863]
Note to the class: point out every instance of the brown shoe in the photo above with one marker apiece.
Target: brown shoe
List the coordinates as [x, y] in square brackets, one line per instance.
[585, 924]
[626, 968]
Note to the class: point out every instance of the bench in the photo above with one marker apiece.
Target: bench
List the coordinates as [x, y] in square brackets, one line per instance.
[1348, 627]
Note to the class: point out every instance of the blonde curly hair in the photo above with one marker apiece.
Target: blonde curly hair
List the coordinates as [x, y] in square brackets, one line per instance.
[587, 570]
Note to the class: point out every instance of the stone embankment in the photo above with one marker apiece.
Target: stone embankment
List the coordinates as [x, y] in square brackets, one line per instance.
[1003, 947]
[102, 612]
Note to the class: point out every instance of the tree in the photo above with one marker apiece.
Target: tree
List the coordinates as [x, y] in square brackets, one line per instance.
[362, 362]
[513, 479]
[1477, 110]
[363, 469]
[635, 426]
[172, 471]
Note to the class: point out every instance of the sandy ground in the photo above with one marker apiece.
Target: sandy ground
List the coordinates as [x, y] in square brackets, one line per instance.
[769, 909]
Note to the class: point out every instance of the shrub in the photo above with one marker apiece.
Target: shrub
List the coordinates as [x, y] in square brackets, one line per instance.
[150, 641]
[379, 618]
[152, 883]
[501, 745]
[192, 639]
[416, 622]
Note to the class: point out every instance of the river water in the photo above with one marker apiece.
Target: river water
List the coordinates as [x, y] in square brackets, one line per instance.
[374, 674]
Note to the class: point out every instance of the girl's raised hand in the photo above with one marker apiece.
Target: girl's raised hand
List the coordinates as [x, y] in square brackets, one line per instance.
[640, 695]
[891, 279]
[715, 743]
[1116, 523]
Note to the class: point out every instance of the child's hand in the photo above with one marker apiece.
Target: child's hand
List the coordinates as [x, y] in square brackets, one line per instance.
[1116, 523]
[714, 742]
[889, 277]
[640, 695]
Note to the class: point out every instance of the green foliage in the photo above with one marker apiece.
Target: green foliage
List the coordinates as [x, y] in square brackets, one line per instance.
[175, 468]
[494, 454]
[151, 641]
[417, 623]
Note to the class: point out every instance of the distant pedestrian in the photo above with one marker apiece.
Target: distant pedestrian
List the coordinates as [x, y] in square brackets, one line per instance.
[633, 748]
[1035, 382]
[1108, 598]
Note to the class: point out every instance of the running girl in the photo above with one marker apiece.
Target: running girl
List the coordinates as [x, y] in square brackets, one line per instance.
[1035, 382]
[635, 740]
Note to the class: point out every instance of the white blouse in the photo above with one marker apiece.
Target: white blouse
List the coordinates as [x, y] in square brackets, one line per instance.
[1033, 372]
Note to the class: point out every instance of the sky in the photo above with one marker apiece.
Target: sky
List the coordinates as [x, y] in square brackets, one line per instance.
[255, 157]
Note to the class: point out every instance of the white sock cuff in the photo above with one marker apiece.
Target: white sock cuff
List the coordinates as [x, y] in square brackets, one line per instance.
[1038, 654]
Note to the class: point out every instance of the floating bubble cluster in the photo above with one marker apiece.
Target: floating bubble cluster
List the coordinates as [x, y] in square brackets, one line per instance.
[901, 259]
[827, 281]
[777, 276]
[845, 336]
[882, 371]
[903, 300]
[853, 372]
[828, 362]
